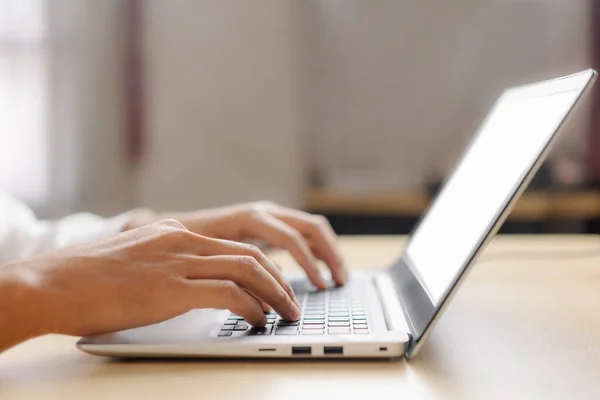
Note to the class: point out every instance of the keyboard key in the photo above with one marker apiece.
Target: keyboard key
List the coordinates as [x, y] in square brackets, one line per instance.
[339, 314]
[339, 331]
[320, 326]
[225, 333]
[359, 323]
[338, 311]
[237, 317]
[312, 332]
[288, 323]
[339, 319]
[260, 331]
[314, 321]
[335, 324]
[361, 331]
[231, 322]
[227, 327]
[286, 330]
[241, 325]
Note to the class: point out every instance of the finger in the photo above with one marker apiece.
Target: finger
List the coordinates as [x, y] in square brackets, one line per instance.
[265, 307]
[278, 233]
[170, 223]
[215, 247]
[225, 295]
[322, 237]
[270, 266]
[248, 274]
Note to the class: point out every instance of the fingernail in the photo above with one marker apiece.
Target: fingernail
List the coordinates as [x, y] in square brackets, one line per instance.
[297, 302]
[293, 297]
[323, 283]
[297, 313]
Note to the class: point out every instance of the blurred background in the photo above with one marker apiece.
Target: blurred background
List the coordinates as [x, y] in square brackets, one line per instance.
[354, 109]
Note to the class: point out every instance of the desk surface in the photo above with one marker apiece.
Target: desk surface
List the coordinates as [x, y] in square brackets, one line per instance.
[526, 324]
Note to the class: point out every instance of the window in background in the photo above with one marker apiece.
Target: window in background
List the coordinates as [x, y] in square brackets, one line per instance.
[24, 54]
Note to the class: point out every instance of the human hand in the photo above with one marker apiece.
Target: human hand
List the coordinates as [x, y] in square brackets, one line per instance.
[149, 275]
[307, 237]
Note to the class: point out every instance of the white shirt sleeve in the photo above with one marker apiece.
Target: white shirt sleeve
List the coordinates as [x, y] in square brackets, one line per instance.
[22, 235]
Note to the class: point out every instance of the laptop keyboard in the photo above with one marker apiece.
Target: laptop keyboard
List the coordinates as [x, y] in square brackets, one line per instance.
[337, 311]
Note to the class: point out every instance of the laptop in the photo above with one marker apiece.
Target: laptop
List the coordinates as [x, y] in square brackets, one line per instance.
[389, 313]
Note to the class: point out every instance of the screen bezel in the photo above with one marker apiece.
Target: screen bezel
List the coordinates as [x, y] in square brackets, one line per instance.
[420, 311]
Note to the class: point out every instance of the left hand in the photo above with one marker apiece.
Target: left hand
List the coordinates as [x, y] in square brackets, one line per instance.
[307, 237]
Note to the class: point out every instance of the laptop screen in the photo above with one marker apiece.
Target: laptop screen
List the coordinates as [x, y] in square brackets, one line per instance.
[501, 156]
[510, 144]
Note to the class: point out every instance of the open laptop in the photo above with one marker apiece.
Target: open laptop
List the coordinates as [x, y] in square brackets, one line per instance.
[390, 312]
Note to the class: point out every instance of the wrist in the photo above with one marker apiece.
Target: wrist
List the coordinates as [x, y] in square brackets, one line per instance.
[22, 308]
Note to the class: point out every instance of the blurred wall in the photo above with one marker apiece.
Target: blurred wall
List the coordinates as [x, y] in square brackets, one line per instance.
[246, 99]
[89, 170]
[392, 90]
[222, 104]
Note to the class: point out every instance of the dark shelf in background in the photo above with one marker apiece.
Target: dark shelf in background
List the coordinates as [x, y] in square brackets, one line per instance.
[347, 224]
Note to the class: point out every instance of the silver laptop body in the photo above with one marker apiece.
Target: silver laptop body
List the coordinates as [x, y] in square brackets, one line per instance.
[390, 312]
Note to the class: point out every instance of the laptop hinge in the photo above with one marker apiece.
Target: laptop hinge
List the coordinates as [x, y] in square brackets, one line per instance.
[394, 314]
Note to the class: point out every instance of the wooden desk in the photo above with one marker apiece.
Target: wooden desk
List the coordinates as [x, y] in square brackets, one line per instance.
[525, 325]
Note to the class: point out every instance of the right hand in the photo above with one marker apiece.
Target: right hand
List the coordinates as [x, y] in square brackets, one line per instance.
[151, 274]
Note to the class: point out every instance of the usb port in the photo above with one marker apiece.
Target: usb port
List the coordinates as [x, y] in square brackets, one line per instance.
[301, 351]
[333, 350]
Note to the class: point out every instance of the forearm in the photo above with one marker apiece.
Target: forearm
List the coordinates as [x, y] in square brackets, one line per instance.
[23, 235]
[21, 311]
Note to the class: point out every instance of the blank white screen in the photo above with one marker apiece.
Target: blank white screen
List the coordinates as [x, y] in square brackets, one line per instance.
[507, 146]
